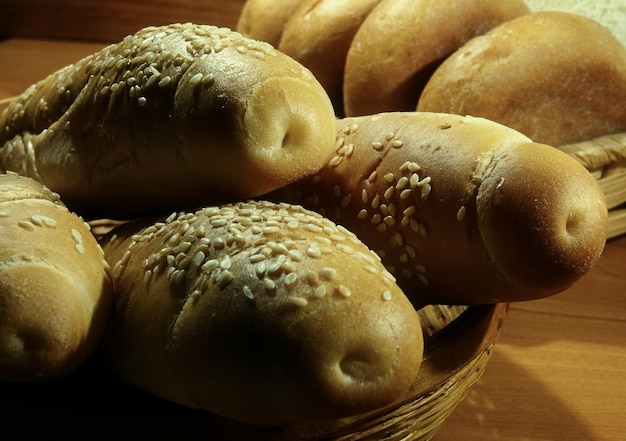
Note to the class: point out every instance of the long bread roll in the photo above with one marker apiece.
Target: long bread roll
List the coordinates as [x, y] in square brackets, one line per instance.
[265, 19]
[557, 77]
[319, 33]
[461, 209]
[262, 313]
[171, 116]
[55, 291]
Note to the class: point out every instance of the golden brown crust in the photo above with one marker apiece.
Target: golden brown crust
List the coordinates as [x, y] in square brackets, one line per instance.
[55, 292]
[257, 312]
[401, 42]
[461, 210]
[557, 77]
[265, 20]
[319, 34]
[172, 116]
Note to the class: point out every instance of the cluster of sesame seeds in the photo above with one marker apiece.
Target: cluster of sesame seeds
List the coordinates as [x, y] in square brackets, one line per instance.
[388, 201]
[265, 245]
[157, 57]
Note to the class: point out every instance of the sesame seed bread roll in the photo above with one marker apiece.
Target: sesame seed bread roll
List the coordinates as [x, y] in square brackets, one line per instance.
[557, 77]
[171, 116]
[319, 34]
[55, 291]
[462, 210]
[265, 20]
[262, 313]
[401, 42]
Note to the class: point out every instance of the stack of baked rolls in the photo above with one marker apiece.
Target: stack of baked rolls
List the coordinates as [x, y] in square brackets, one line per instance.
[555, 72]
[277, 255]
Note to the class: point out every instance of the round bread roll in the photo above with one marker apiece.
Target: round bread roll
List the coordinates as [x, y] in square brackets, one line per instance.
[557, 77]
[401, 42]
[171, 116]
[265, 20]
[460, 209]
[319, 34]
[263, 313]
[55, 291]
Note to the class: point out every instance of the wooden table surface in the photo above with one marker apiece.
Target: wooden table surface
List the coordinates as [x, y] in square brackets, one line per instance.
[558, 371]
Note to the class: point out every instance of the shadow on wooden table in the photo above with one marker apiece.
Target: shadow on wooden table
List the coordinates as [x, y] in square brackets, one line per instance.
[488, 414]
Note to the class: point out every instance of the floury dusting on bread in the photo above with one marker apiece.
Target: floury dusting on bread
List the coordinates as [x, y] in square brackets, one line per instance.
[260, 312]
[176, 115]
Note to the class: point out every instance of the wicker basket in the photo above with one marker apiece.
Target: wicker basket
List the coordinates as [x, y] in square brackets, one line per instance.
[92, 404]
[605, 158]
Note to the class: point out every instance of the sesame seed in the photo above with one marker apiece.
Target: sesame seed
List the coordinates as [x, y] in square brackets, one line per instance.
[410, 211]
[269, 284]
[411, 251]
[406, 193]
[346, 200]
[335, 161]
[224, 278]
[500, 183]
[196, 79]
[376, 219]
[402, 183]
[80, 248]
[328, 273]
[290, 279]
[298, 301]
[372, 177]
[389, 220]
[426, 189]
[344, 291]
[386, 296]
[319, 292]
[389, 177]
[389, 136]
[398, 239]
[377, 145]
[165, 81]
[389, 192]
[314, 228]
[460, 215]
[397, 143]
[199, 258]
[27, 225]
[247, 292]
[376, 201]
[210, 265]
[182, 247]
[312, 278]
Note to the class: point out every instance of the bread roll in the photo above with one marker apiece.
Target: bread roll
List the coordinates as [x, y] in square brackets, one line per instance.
[265, 20]
[171, 116]
[262, 313]
[461, 209]
[557, 77]
[401, 42]
[319, 34]
[55, 292]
